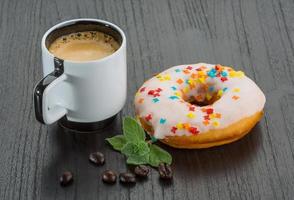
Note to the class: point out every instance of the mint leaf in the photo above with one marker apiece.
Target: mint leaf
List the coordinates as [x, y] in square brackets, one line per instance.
[129, 149]
[132, 130]
[157, 155]
[133, 145]
[117, 142]
[138, 160]
[135, 149]
[143, 148]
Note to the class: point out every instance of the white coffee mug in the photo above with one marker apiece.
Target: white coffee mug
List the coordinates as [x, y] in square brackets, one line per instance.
[82, 93]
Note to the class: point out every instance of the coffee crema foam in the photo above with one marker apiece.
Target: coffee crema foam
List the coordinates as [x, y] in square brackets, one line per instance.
[84, 46]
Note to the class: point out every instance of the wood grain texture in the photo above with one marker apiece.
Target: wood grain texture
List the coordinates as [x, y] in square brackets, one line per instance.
[256, 36]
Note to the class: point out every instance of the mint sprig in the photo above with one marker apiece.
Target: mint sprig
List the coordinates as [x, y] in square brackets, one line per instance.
[133, 132]
[158, 155]
[117, 142]
[134, 146]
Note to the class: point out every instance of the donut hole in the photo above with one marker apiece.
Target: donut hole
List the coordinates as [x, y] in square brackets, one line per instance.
[202, 96]
[192, 100]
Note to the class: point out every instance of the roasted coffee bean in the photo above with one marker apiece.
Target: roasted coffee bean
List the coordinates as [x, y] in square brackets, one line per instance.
[165, 171]
[127, 177]
[66, 178]
[97, 158]
[109, 176]
[142, 170]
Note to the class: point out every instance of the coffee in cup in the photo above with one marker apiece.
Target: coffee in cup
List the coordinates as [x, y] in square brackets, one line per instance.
[84, 46]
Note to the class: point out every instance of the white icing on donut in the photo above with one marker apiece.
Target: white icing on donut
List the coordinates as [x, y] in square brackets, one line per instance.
[161, 99]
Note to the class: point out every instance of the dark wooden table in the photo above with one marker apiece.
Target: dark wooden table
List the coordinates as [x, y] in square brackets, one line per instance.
[256, 36]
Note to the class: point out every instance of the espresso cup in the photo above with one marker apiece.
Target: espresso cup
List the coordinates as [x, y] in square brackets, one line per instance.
[82, 95]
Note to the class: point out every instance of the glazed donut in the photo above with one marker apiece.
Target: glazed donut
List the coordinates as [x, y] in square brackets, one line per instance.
[199, 105]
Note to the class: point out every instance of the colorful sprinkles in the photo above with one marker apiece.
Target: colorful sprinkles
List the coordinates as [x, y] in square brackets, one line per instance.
[174, 97]
[191, 115]
[162, 121]
[199, 83]
[155, 100]
[148, 117]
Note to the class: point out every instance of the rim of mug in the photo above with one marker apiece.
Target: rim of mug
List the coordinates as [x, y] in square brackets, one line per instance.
[68, 22]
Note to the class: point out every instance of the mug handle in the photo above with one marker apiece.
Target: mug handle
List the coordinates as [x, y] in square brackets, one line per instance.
[49, 111]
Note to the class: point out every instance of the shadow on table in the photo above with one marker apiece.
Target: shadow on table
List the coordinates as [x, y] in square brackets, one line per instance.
[190, 163]
[69, 151]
